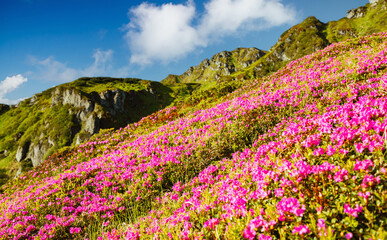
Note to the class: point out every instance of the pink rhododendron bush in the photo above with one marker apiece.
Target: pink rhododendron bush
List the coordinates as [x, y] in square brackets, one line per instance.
[300, 154]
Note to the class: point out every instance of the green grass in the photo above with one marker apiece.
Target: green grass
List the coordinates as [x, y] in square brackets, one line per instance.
[37, 122]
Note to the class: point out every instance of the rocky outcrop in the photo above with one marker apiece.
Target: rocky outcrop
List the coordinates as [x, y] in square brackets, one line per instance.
[71, 97]
[375, 2]
[300, 40]
[114, 100]
[221, 64]
[37, 151]
[22, 151]
[357, 13]
[90, 112]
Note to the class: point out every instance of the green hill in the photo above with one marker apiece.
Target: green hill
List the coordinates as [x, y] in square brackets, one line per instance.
[300, 40]
[69, 114]
[300, 154]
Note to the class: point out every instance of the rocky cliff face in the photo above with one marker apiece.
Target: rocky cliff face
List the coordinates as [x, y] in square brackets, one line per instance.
[221, 64]
[90, 113]
[356, 13]
[71, 113]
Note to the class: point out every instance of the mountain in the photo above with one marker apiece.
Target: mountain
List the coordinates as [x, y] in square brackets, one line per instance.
[69, 114]
[302, 39]
[299, 154]
[312, 35]
[221, 64]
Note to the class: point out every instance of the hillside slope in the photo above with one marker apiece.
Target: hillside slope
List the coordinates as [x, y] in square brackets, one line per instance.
[312, 35]
[221, 64]
[299, 154]
[300, 40]
[25, 137]
[69, 114]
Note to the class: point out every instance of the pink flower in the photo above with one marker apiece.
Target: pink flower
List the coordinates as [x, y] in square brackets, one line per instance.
[359, 147]
[211, 223]
[352, 211]
[341, 175]
[290, 205]
[264, 237]
[348, 235]
[75, 230]
[249, 232]
[364, 195]
[177, 187]
[362, 165]
[319, 151]
[279, 192]
[330, 150]
[302, 229]
[321, 223]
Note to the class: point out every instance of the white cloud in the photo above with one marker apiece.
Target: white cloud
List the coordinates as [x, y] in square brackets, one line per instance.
[51, 70]
[167, 32]
[102, 63]
[228, 16]
[163, 33]
[8, 85]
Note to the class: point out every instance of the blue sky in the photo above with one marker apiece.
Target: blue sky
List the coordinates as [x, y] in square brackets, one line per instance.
[44, 43]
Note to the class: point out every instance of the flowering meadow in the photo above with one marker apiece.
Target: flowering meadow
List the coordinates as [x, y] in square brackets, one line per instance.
[300, 154]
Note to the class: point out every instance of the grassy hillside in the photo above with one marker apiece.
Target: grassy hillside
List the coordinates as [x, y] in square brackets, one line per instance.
[312, 35]
[300, 154]
[302, 39]
[38, 122]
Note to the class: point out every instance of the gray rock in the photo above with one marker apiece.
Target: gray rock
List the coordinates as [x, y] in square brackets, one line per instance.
[222, 64]
[33, 100]
[22, 151]
[356, 13]
[72, 97]
[37, 152]
[87, 117]
[18, 173]
[50, 141]
[374, 2]
[114, 100]
[91, 124]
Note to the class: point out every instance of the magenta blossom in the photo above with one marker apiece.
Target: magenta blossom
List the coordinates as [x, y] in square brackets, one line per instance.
[302, 229]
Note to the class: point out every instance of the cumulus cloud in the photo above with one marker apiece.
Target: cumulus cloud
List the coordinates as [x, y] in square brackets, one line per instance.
[162, 33]
[51, 70]
[170, 31]
[228, 16]
[8, 85]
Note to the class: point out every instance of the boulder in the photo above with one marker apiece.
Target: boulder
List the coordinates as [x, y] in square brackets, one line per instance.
[356, 13]
[91, 125]
[37, 152]
[22, 151]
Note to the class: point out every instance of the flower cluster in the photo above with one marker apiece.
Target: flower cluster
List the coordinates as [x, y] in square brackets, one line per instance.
[285, 157]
